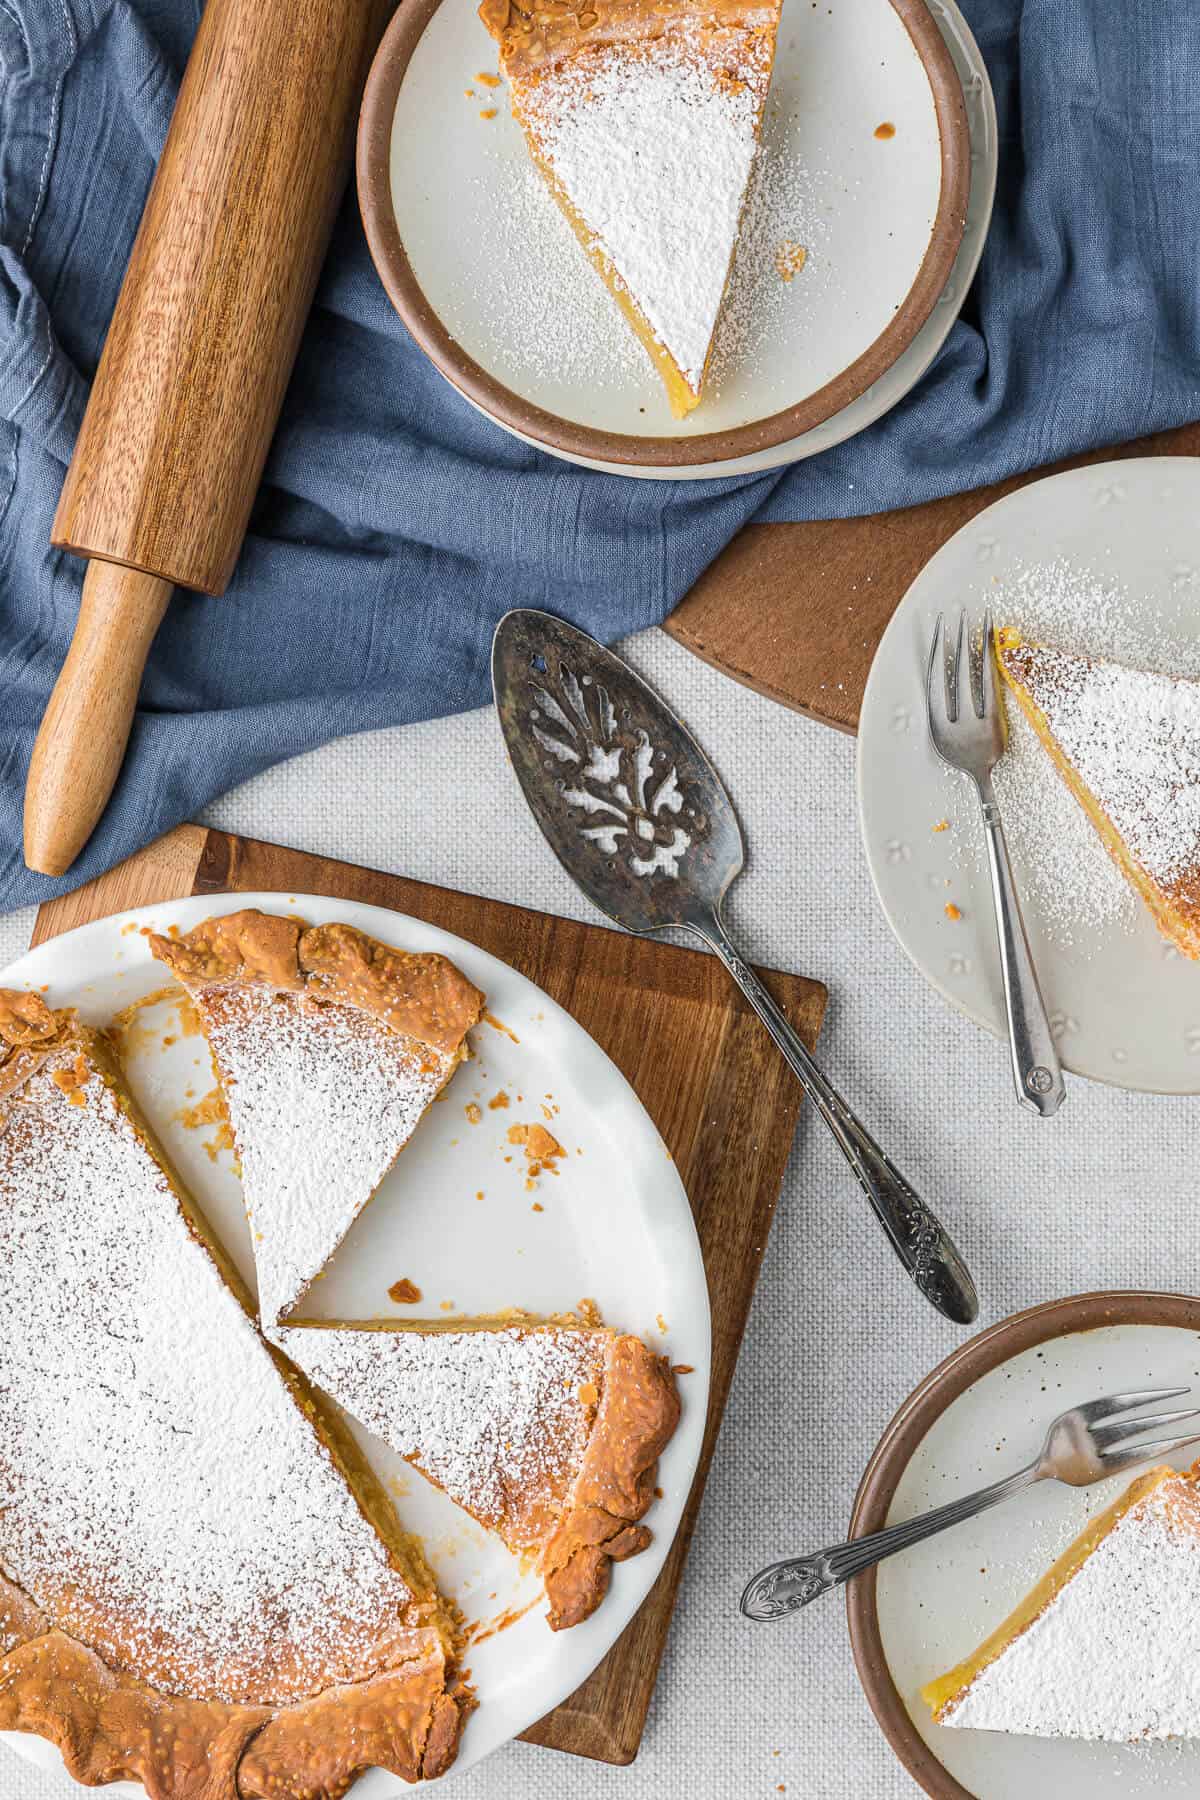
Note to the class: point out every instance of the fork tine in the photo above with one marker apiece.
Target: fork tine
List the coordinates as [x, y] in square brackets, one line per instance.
[937, 660]
[957, 667]
[1094, 1411]
[987, 667]
[1105, 1436]
[975, 673]
[1115, 1461]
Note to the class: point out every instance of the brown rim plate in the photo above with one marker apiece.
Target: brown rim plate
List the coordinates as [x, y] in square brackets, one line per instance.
[916, 1417]
[555, 433]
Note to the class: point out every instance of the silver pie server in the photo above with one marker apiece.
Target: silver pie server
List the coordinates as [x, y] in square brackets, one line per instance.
[638, 817]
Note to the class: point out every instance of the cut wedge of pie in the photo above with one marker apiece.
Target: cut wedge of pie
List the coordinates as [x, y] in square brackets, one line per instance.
[1107, 1645]
[329, 1047]
[546, 1432]
[644, 118]
[1127, 744]
[204, 1587]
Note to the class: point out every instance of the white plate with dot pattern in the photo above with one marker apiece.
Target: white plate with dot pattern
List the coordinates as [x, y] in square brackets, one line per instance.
[455, 1216]
[1105, 561]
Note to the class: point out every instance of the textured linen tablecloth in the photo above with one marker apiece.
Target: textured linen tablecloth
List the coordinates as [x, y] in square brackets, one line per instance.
[837, 1338]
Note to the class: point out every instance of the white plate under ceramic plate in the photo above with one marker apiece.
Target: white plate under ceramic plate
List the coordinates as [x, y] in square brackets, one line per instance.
[935, 1603]
[616, 1228]
[1105, 560]
[500, 267]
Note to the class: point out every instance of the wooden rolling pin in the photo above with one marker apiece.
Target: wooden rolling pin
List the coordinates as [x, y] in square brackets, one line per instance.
[198, 355]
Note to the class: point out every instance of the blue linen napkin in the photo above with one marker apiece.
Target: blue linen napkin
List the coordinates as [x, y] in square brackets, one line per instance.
[395, 525]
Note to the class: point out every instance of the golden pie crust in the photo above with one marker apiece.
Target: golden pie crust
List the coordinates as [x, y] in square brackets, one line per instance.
[636, 1417]
[422, 996]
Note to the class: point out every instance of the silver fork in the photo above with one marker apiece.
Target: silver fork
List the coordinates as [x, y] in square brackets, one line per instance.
[1080, 1448]
[969, 732]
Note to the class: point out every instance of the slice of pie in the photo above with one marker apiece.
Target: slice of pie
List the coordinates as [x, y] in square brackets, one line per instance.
[329, 1047]
[1107, 1645]
[546, 1432]
[1127, 744]
[203, 1586]
[644, 117]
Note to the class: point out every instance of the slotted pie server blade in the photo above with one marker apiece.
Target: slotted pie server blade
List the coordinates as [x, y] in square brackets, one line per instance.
[638, 817]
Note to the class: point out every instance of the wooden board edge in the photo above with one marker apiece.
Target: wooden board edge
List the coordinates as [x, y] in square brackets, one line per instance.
[165, 870]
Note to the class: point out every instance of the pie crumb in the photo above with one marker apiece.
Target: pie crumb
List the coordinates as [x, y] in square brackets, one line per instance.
[540, 1146]
[404, 1292]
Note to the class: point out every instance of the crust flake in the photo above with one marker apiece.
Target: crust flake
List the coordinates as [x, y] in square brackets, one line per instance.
[423, 996]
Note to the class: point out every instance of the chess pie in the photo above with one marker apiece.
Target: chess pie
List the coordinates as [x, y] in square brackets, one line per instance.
[547, 1432]
[329, 1047]
[1127, 744]
[644, 118]
[204, 1588]
[1107, 1644]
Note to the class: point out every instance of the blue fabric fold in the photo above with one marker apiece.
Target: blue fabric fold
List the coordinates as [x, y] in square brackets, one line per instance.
[395, 525]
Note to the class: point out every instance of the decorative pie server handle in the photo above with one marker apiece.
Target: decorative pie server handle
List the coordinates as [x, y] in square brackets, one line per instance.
[918, 1239]
[784, 1587]
[1037, 1072]
[77, 755]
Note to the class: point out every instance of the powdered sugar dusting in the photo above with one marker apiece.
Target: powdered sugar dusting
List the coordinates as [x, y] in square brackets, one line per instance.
[654, 151]
[790, 201]
[1134, 738]
[495, 1417]
[1066, 874]
[161, 1495]
[1116, 1655]
[549, 319]
[321, 1099]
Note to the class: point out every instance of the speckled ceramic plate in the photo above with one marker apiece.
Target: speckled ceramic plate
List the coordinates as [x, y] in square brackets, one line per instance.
[1120, 541]
[489, 279]
[981, 1415]
[629, 1243]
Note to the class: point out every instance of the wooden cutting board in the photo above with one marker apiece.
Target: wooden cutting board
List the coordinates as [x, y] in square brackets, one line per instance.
[676, 1027]
[797, 611]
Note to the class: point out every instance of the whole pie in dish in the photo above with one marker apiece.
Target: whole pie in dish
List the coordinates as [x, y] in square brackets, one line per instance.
[644, 118]
[1127, 744]
[547, 1432]
[205, 1589]
[329, 1047]
[1107, 1644]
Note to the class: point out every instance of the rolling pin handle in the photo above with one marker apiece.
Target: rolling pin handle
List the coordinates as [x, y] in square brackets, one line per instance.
[78, 751]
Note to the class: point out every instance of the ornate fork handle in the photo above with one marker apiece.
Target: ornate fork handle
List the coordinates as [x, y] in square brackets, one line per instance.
[1037, 1073]
[918, 1238]
[784, 1587]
